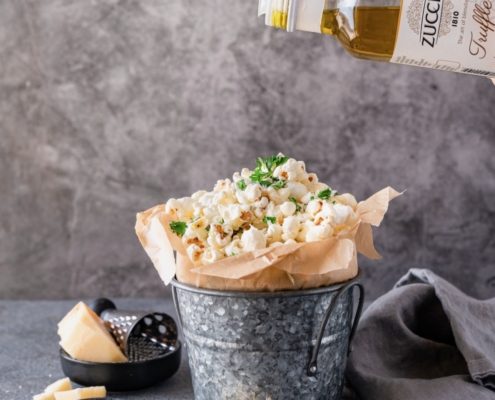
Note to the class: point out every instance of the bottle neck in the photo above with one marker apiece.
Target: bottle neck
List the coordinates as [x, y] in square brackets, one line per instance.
[329, 22]
[291, 15]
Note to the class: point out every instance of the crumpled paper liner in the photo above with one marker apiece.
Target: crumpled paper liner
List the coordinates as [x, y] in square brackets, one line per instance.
[286, 267]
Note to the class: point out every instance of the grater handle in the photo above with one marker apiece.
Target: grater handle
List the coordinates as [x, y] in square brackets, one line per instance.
[101, 304]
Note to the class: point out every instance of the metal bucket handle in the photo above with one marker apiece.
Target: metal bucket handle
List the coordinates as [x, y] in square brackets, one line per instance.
[312, 366]
[176, 303]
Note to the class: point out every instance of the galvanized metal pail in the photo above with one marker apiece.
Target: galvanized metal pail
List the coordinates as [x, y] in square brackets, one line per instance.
[263, 345]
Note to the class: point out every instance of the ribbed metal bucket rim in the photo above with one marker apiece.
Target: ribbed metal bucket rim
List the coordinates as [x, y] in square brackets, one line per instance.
[282, 293]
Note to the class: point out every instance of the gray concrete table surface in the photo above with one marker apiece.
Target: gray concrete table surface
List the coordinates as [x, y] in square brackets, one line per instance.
[29, 358]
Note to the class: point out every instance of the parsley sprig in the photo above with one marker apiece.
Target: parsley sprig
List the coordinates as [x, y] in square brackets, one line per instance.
[178, 227]
[268, 219]
[263, 173]
[241, 184]
[278, 183]
[326, 194]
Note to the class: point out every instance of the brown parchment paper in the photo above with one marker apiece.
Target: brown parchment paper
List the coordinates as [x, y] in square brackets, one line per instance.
[291, 266]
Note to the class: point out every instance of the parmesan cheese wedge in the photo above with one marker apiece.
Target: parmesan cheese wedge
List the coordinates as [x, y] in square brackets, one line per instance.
[93, 392]
[83, 336]
[44, 396]
[58, 386]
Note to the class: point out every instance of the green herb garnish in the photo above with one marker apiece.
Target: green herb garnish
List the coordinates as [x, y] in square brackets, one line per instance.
[263, 173]
[326, 194]
[207, 228]
[267, 219]
[298, 206]
[265, 183]
[241, 184]
[178, 227]
[278, 183]
[270, 163]
[312, 198]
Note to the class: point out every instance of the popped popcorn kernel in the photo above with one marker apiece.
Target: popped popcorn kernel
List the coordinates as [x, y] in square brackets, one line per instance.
[279, 202]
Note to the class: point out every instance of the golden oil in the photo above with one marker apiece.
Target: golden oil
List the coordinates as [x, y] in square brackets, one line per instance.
[279, 19]
[365, 31]
[446, 35]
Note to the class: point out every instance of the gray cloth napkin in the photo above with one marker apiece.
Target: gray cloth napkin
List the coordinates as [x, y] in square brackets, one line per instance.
[424, 340]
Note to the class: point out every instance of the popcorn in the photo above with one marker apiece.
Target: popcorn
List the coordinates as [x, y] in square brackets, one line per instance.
[259, 207]
[262, 203]
[288, 208]
[347, 199]
[297, 190]
[307, 198]
[312, 178]
[273, 233]
[292, 170]
[278, 196]
[290, 228]
[194, 252]
[314, 206]
[205, 199]
[275, 204]
[172, 207]
[245, 173]
[224, 197]
[251, 194]
[326, 214]
[274, 210]
[303, 229]
[341, 213]
[222, 185]
[317, 187]
[234, 248]
[318, 232]
[232, 214]
[211, 255]
[194, 235]
[253, 239]
[199, 224]
[197, 195]
[219, 235]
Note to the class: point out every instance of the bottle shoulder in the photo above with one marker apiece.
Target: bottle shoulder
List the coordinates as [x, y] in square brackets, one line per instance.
[367, 32]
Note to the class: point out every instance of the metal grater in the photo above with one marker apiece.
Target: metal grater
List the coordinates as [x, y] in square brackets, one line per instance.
[141, 335]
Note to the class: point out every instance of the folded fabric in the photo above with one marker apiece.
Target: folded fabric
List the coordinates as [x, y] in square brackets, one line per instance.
[424, 340]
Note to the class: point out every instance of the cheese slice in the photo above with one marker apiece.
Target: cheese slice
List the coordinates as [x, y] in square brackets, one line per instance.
[83, 336]
[93, 392]
[44, 396]
[58, 386]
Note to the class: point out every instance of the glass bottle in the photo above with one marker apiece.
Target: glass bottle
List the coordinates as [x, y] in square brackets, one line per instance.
[449, 35]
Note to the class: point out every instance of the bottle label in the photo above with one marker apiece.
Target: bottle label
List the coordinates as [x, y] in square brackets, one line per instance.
[449, 35]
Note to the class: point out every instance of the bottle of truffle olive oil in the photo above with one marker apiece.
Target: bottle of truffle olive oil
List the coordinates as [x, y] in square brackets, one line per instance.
[448, 35]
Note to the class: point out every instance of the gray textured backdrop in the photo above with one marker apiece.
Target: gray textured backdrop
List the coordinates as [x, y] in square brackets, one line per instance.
[109, 107]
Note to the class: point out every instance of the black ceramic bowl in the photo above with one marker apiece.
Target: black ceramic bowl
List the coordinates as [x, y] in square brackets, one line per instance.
[119, 377]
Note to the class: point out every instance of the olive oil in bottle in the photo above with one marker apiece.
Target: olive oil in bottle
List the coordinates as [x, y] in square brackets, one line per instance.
[365, 32]
[449, 35]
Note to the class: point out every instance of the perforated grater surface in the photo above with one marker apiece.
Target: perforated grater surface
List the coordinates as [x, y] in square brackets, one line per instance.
[149, 340]
[141, 335]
